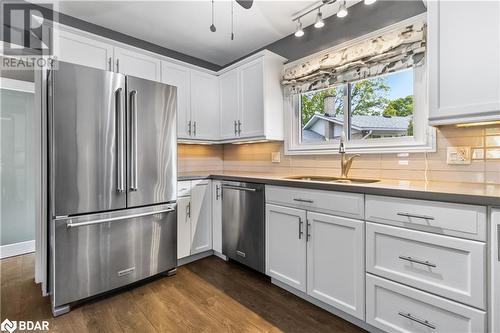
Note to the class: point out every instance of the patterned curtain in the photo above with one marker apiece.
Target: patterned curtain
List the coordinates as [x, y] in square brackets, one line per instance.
[390, 52]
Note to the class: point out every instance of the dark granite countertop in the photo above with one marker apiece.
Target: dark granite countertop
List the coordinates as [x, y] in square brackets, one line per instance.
[465, 193]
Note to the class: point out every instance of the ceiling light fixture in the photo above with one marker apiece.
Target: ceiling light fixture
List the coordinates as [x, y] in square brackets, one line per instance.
[319, 20]
[299, 32]
[212, 26]
[342, 10]
[369, 2]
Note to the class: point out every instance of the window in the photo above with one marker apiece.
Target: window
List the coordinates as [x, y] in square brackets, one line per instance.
[379, 107]
[385, 113]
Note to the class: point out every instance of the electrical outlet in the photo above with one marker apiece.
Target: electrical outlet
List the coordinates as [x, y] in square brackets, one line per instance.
[276, 157]
[458, 155]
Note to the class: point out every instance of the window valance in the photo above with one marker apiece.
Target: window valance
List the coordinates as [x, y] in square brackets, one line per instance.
[397, 49]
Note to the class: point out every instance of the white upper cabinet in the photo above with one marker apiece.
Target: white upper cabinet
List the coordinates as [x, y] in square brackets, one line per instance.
[254, 86]
[229, 104]
[137, 64]
[77, 49]
[179, 76]
[204, 106]
[464, 66]
[252, 99]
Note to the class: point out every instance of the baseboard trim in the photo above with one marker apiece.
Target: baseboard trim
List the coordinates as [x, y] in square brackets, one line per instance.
[194, 257]
[329, 308]
[17, 249]
[220, 255]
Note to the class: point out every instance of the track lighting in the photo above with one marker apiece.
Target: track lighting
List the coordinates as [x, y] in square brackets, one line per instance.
[299, 32]
[342, 10]
[319, 20]
[369, 2]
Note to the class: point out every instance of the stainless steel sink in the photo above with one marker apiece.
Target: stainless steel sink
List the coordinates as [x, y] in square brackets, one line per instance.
[333, 179]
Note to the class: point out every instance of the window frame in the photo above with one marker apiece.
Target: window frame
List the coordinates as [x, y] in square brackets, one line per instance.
[424, 136]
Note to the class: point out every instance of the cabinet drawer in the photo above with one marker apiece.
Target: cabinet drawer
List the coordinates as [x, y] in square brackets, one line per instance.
[467, 221]
[446, 266]
[396, 308]
[183, 188]
[329, 202]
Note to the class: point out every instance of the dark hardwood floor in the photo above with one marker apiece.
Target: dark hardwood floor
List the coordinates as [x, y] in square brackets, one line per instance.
[209, 295]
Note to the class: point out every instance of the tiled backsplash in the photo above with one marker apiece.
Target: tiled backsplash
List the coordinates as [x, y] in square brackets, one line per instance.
[256, 157]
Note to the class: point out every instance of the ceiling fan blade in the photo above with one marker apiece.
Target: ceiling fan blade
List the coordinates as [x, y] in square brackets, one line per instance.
[245, 3]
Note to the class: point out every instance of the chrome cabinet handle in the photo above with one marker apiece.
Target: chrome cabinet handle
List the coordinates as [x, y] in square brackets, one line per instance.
[235, 127]
[498, 240]
[109, 64]
[121, 140]
[239, 127]
[118, 218]
[188, 210]
[300, 228]
[303, 200]
[239, 188]
[118, 65]
[189, 128]
[194, 128]
[418, 261]
[417, 320]
[133, 138]
[425, 217]
[217, 192]
[308, 226]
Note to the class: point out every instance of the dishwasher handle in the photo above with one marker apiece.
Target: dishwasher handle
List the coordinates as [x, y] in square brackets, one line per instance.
[239, 188]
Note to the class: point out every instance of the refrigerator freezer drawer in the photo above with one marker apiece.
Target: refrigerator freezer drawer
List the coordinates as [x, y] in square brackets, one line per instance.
[97, 253]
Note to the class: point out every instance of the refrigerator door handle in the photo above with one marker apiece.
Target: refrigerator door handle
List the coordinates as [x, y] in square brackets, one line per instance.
[133, 138]
[121, 140]
[118, 218]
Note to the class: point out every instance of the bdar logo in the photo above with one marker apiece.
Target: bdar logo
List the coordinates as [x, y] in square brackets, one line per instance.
[8, 325]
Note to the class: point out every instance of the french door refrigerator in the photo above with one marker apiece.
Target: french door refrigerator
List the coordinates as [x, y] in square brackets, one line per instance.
[112, 181]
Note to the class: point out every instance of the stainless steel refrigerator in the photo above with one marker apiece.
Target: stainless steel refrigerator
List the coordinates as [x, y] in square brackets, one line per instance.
[112, 181]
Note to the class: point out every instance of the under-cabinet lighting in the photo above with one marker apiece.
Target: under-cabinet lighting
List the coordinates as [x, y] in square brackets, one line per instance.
[479, 123]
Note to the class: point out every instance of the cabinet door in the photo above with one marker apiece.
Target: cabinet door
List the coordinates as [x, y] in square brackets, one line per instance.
[252, 99]
[229, 104]
[201, 216]
[204, 106]
[464, 82]
[76, 49]
[137, 64]
[179, 76]
[217, 215]
[286, 245]
[183, 227]
[335, 262]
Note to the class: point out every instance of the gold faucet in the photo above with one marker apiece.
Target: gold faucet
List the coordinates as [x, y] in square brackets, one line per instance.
[345, 162]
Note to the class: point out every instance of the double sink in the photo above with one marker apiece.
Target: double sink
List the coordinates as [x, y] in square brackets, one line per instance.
[326, 179]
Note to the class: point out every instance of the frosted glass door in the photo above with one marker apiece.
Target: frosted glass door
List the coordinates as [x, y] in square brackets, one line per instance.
[17, 170]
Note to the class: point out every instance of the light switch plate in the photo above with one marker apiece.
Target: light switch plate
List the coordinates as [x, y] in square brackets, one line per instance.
[458, 155]
[276, 157]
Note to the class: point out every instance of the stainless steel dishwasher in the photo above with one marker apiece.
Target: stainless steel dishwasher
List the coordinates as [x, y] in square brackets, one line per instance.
[243, 226]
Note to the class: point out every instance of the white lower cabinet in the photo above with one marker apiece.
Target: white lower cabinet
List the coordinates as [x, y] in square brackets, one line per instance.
[286, 245]
[318, 254]
[335, 262]
[183, 227]
[216, 216]
[194, 218]
[393, 307]
[201, 216]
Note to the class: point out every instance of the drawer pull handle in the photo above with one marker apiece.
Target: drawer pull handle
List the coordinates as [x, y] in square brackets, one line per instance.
[417, 320]
[425, 217]
[417, 261]
[303, 200]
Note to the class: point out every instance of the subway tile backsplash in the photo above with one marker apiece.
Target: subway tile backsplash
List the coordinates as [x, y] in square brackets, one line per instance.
[256, 157]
